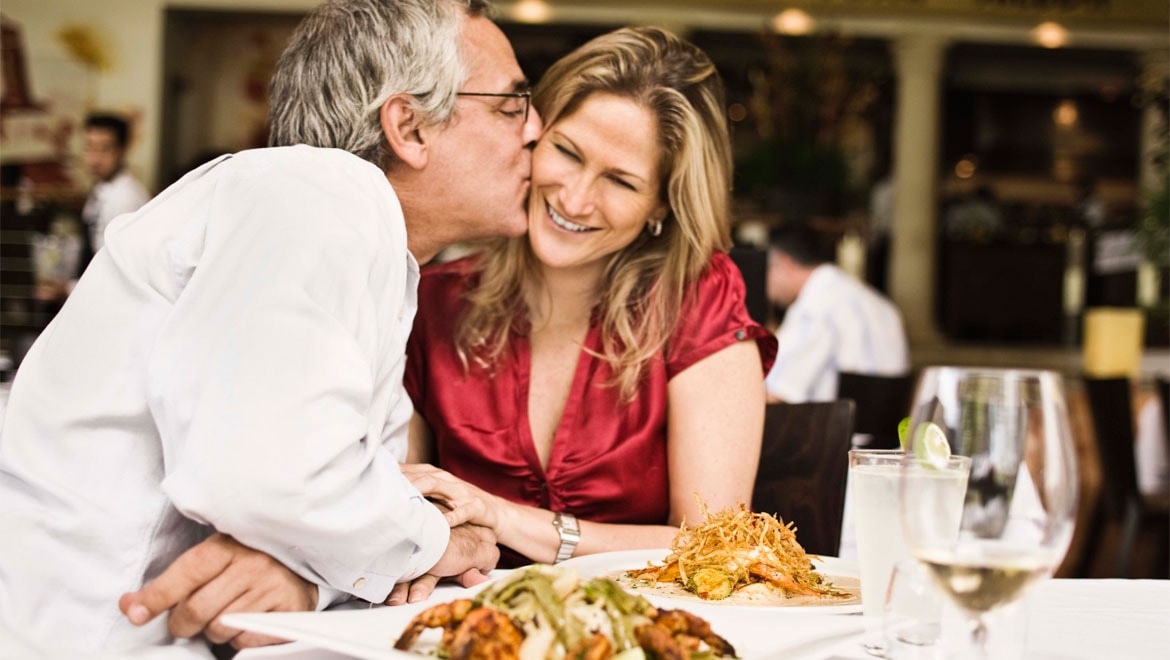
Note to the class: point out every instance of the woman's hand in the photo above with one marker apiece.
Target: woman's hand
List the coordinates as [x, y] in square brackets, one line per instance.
[466, 503]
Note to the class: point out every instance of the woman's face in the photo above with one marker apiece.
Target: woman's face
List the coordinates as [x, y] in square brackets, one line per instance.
[595, 183]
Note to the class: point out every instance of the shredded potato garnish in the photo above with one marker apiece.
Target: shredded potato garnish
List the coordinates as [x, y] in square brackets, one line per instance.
[734, 548]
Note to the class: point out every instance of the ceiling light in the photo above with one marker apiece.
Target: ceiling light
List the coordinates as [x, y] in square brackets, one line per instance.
[792, 21]
[531, 11]
[1050, 35]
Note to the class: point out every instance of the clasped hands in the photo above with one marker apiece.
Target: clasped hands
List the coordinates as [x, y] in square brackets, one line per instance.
[221, 576]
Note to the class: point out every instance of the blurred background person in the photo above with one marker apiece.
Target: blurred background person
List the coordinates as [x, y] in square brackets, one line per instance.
[63, 253]
[833, 322]
[115, 190]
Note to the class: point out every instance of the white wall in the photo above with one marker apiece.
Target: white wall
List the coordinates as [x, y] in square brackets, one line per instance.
[132, 33]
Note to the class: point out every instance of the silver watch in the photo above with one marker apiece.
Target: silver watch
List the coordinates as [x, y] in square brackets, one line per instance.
[566, 524]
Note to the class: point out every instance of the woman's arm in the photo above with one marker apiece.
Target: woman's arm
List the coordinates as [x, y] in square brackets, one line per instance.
[527, 529]
[716, 419]
[716, 422]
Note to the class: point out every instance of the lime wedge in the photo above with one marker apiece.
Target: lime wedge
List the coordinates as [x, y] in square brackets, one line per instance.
[930, 445]
[904, 433]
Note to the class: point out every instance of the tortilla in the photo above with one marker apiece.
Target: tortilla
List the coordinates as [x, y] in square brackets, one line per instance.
[758, 594]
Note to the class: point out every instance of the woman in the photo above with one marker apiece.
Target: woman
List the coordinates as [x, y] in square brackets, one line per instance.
[604, 366]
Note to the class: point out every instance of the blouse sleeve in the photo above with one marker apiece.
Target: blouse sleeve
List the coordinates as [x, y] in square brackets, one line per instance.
[715, 318]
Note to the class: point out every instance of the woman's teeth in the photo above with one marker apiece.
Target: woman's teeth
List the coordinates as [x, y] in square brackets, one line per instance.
[565, 224]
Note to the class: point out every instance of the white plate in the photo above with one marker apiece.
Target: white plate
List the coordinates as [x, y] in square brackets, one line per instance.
[759, 632]
[608, 563]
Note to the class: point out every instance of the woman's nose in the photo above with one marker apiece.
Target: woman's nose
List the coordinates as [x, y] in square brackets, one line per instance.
[576, 196]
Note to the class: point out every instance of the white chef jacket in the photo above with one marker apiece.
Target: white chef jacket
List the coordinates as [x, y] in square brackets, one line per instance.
[233, 358]
[836, 324]
[110, 199]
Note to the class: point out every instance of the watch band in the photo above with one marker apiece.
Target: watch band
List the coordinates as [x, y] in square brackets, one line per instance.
[570, 533]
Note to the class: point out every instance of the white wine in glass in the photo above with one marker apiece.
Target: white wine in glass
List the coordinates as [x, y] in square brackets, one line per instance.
[1020, 505]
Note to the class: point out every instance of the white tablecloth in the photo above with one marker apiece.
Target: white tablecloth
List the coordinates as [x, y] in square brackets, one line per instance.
[1069, 619]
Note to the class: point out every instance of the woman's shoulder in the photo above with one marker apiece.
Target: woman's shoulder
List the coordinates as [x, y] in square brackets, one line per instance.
[448, 273]
[441, 285]
[720, 278]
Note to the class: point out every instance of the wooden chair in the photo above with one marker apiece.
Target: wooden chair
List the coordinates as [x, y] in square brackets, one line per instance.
[803, 464]
[1122, 504]
[881, 402]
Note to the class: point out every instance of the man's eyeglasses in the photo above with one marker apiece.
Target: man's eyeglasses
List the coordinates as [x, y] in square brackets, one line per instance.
[525, 100]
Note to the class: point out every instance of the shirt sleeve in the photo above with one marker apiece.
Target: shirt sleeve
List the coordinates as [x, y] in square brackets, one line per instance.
[125, 195]
[264, 383]
[805, 351]
[716, 318]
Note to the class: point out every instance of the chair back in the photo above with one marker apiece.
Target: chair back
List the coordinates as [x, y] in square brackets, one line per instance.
[881, 402]
[753, 265]
[803, 464]
[1112, 412]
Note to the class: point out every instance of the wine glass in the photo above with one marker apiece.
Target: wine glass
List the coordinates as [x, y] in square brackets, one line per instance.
[1020, 506]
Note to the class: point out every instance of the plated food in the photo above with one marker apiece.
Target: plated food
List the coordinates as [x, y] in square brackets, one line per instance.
[543, 612]
[740, 557]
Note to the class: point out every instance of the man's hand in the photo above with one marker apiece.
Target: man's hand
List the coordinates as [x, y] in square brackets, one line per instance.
[216, 577]
[471, 554]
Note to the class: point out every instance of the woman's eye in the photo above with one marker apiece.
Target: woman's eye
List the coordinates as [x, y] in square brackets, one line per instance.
[565, 152]
[623, 183]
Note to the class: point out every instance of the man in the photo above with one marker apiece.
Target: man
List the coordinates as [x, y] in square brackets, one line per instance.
[232, 361]
[833, 322]
[115, 190]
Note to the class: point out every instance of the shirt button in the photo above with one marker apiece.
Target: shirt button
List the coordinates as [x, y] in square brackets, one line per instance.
[740, 335]
[359, 583]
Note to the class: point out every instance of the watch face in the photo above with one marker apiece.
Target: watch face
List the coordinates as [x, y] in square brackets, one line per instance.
[566, 525]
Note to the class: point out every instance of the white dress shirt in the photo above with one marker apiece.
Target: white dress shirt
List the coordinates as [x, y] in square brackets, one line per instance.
[836, 324]
[232, 359]
[110, 199]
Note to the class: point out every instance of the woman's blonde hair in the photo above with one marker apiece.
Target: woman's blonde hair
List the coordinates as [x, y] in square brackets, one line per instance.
[646, 284]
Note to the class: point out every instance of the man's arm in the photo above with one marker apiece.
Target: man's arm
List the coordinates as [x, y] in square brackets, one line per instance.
[805, 350]
[221, 576]
[272, 375]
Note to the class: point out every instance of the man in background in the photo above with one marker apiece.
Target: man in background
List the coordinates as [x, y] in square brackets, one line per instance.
[230, 365]
[832, 323]
[115, 190]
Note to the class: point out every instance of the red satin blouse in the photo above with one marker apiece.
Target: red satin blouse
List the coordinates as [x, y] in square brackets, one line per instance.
[608, 460]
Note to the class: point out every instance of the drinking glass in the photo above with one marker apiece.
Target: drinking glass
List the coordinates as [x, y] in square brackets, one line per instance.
[874, 476]
[912, 621]
[1019, 509]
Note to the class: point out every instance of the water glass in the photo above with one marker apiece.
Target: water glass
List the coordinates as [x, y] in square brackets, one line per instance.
[874, 477]
[912, 619]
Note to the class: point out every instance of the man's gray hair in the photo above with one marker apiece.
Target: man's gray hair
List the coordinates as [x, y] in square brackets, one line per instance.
[348, 56]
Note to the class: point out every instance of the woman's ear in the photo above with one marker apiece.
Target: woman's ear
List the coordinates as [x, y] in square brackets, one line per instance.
[661, 212]
[401, 127]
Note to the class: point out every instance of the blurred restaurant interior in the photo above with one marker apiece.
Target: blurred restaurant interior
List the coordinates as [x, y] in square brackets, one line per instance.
[874, 121]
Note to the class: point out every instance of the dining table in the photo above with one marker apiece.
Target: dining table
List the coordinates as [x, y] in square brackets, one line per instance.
[1058, 618]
